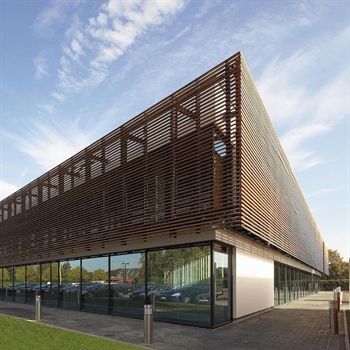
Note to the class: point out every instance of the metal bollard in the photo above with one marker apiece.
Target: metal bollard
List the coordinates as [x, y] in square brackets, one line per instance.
[333, 317]
[338, 301]
[148, 325]
[37, 307]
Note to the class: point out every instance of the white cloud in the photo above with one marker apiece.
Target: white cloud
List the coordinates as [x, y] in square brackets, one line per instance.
[6, 189]
[326, 191]
[53, 13]
[50, 145]
[41, 68]
[93, 46]
[48, 108]
[297, 97]
[292, 142]
[58, 96]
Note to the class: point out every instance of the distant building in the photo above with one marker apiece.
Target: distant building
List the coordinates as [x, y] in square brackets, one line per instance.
[195, 194]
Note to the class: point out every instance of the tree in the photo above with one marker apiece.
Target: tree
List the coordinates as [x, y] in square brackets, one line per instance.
[338, 268]
[100, 275]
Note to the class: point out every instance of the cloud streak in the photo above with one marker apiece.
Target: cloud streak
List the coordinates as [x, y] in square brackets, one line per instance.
[91, 47]
[296, 98]
[6, 189]
[41, 69]
[49, 146]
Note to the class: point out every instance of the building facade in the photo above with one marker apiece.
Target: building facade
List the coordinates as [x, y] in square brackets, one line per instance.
[194, 195]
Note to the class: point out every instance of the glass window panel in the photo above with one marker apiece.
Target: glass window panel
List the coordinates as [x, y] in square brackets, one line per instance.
[18, 288]
[32, 282]
[282, 284]
[95, 293]
[1, 282]
[184, 273]
[221, 286]
[277, 283]
[8, 283]
[50, 284]
[70, 294]
[292, 280]
[127, 276]
[288, 283]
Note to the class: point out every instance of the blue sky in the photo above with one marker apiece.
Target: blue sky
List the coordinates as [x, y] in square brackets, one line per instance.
[71, 71]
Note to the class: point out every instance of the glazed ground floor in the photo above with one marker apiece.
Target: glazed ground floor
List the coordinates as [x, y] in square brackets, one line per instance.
[202, 283]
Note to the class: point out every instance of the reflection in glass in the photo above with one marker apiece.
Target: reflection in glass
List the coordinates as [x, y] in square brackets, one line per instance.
[18, 288]
[95, 291]
[32, 279]
[221, 285]
[127, 276]
[183, 274]
[70, 294]
[50, 284]
[7, 283]
[277, 284]
[1, 283]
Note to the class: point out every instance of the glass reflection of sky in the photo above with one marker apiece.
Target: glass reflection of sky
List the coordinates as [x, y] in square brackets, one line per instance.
[92, 264]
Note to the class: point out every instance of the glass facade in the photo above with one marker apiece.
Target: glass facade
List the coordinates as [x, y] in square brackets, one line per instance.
[292, 283]
[190, 284]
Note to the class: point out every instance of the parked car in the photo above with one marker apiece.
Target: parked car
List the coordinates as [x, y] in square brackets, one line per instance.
[52, 288]
[74, 288]
[123, 290]
[203, 298]
[186, 294]
[96, 290]
[28, 288]
[12, 288]
[152, 290]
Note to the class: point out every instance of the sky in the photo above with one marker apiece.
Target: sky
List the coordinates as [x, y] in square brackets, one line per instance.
[72, 71]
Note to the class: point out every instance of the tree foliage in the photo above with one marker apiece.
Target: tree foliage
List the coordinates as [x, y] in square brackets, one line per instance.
[338, 268]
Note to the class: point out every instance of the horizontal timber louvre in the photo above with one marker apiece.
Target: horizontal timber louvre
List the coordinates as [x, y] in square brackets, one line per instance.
[205, 157]
[274, 209]
[167, 172]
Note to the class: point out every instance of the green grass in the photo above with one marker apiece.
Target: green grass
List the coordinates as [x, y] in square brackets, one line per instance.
[18, 334]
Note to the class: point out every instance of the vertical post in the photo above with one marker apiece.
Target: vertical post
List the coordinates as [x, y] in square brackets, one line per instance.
[148, 315]
[37, 305]
[333, 317]
[148, 325]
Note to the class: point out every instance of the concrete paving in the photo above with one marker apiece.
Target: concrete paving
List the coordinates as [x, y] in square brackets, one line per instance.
[301, 324]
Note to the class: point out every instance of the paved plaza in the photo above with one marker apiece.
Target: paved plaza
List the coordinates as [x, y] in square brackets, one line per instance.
[301, 324]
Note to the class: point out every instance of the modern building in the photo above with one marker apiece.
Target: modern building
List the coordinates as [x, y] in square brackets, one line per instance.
[192, 200]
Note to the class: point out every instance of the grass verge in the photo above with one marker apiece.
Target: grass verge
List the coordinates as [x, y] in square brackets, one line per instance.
[18, 334]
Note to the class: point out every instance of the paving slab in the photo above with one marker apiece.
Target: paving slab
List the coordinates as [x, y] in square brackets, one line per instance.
[300, 324]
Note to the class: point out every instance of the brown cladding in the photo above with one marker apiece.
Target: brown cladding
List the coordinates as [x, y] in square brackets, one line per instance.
[205, 157]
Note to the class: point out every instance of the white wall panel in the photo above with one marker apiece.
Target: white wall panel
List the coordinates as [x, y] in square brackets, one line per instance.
[253, 284]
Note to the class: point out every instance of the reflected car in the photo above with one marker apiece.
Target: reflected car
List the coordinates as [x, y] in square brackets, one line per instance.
[152, 290]
[52, 289]
[185, 294]
[123, 290]
[28, 287]
[202, 298]
[96, 290]
[12, 289]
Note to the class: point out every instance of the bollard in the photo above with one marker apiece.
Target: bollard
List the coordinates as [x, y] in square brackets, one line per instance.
[37, 306]
[333, 317]
[338, 301]
[148, 325]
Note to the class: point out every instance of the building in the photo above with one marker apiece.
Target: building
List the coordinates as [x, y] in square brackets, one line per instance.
[195, 193]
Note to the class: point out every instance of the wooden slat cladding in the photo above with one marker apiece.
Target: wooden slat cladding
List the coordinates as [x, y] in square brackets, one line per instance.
[273, 206]
[205, 157]
[167, 172]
